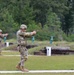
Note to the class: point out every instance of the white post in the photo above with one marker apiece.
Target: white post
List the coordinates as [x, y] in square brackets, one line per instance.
[48, 51]
[7, 44]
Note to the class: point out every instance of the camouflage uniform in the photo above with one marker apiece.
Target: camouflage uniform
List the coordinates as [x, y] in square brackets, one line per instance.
[1, 36]
[22, 43]
[0, 42]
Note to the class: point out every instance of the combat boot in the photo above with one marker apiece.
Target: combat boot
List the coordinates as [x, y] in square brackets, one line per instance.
[24, 69]
[18, 67]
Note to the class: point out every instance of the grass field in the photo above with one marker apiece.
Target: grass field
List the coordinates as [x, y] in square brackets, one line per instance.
[39, 62]
[55, 62]
[41, 74]
[10, 52]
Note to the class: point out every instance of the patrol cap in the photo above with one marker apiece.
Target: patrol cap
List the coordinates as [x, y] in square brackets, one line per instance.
[0, 30]
[23, 26]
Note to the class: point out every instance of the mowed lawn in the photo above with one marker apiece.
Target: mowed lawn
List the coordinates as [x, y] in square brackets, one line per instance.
[41, 74]
[56, 62]
[60, 62]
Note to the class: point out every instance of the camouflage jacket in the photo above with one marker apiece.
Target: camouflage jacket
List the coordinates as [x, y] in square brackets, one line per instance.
[22, 37]
[1, 36]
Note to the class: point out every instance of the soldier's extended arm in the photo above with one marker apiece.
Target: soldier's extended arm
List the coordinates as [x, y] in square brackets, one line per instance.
[27, 34]
[5, 35]
[30, 33]
[2, 35]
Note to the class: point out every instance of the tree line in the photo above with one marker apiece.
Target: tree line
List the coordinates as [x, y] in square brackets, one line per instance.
[49, 17]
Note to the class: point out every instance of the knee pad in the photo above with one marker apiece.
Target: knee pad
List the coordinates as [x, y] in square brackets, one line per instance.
[25, 59]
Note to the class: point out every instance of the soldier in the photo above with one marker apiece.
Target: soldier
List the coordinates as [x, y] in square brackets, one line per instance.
[2, 36]
[22, 43]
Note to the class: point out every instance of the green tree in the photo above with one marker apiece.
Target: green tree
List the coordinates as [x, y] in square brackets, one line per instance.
[7, 24]
[54, 25]
[22, 12]
[68, 23]
[71, 30]
[40, 9]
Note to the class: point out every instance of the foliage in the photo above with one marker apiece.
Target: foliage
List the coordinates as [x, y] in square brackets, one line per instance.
[7, 24]
[70, 38]
[54, 25]
[56, 15]
[33, 26]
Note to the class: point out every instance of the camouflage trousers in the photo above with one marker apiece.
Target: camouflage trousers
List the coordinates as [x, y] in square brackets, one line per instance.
[0, 48]
[23, 54]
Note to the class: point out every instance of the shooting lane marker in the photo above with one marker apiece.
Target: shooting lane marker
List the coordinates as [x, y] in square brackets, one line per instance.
[41, 71]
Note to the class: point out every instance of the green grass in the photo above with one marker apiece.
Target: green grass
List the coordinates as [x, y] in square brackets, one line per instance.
[58, 62]
[50, 63]
[65, 44]
[10, 53]
[39, 62]
[41, 74]
[8, 63]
